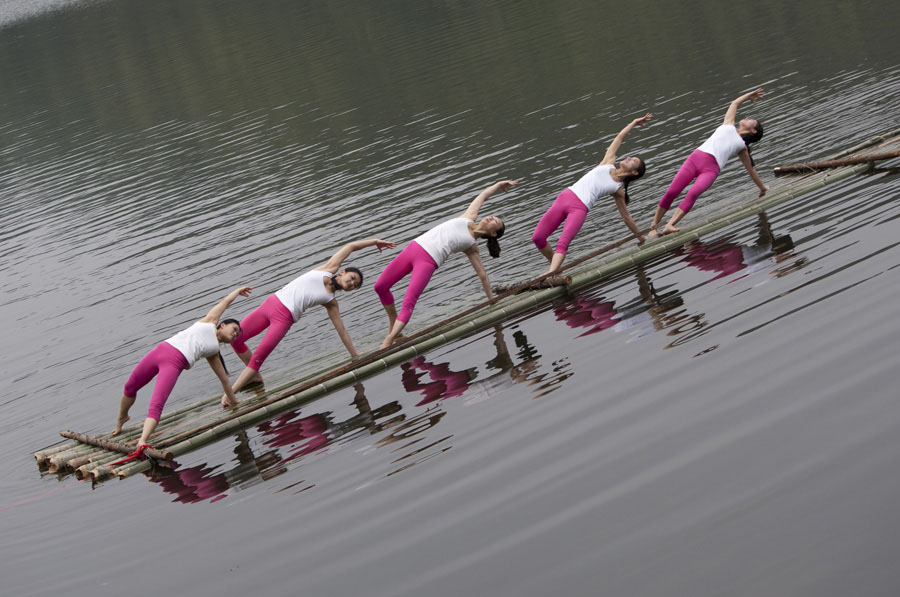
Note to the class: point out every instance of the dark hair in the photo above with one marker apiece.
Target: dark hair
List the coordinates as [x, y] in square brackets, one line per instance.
[753, 138]
[220, 324]
[641, 169]
[492, 243]
[353, 270]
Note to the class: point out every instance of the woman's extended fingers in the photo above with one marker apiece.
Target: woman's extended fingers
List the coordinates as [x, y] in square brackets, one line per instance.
[244, 291]
[505, 184]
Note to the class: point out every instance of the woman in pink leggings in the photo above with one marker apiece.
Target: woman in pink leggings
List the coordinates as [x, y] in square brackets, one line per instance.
[174, 355]
[281, 310]
[705, 163]
[572, 205]
[427, 252]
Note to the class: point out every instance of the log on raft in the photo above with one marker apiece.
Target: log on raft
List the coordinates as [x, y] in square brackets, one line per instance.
[115, 446]
[548, 282]
[815, 166]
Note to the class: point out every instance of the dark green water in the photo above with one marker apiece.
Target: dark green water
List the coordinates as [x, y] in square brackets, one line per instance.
[718, 422]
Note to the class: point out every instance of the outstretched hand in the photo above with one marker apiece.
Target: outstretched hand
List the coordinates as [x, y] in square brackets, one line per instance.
[244, 290]
[755, 94]
[384, 244]
[505, 184]
[643, 119]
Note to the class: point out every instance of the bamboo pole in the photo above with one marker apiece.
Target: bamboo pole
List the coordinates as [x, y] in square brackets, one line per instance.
[115, 446]
[811, 166]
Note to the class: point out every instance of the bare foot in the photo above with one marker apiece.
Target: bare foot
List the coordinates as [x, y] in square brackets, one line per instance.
[119, 424]
[669, 229]
[228, 402]
[653, 233]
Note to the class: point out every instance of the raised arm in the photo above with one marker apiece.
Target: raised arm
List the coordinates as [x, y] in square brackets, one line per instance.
[475, 260]
[334, 313]
[733, 108]
[745, 160]
[472, 212]
[334, 264]
[613, 149]
[216, 312]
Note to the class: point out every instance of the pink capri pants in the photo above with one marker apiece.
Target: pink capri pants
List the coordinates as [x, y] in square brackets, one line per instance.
[699, 165]
[413, 259]
[165, 362]
[567, 207]
[271, 314]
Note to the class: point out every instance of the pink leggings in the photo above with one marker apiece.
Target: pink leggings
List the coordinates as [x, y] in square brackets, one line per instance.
[271, 314]
[699, 165]
[165, 362]
[413, 259]
[567, 207]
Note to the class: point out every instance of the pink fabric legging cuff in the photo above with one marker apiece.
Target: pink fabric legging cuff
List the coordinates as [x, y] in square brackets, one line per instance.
[413, 259]
[567, 207]
[165, 362]
[699, 165]
[272, 314]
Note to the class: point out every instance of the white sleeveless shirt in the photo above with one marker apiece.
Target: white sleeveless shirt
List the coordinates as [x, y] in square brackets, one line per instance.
[598, 182]
[723, 145]
[303, 292]
[196, 342]
[450, 237]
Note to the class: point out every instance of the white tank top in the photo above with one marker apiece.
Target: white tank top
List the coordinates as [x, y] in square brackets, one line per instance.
[598, 182]
[303, 292]
[724, 144]
[196, 342]
[450, 237]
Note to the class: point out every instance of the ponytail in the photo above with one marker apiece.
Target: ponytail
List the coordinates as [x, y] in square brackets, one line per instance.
[493, 244]
[748, 139]
[641, 169]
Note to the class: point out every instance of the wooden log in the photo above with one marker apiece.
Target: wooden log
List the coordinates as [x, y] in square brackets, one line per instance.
[548, 282]
[115, 446]
[849, 161]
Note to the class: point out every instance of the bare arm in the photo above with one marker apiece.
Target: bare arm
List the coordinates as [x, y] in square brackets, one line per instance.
[626, 217]
[472, 212]
[334, 264]
[610, 157]
[215, 363]
[335, 314]
[745, 160]
[216, 312]
[475, 260]
[733, 108]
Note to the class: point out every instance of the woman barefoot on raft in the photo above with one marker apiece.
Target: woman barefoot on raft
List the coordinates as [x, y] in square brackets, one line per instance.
[281, 310]
[707, 161]
[174, 355]
[572, 205]
[427, 252]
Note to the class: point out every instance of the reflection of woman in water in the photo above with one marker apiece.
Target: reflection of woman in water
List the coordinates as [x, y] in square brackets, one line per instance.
[728, 258]
[438, 381]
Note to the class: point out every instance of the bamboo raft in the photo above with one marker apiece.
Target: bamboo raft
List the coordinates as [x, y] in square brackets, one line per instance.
[191, 427]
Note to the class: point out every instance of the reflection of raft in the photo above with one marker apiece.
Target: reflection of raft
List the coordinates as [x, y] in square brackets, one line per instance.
[187, 429]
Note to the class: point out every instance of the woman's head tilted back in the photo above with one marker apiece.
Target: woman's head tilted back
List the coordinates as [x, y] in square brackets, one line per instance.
[637, 169]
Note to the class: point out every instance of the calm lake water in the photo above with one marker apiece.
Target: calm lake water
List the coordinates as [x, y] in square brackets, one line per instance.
[720, 421]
